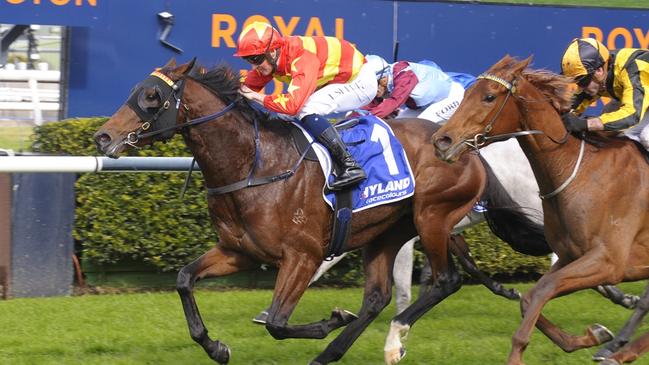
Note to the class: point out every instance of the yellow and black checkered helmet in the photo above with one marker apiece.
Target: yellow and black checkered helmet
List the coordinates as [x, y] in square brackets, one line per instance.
[583, 57]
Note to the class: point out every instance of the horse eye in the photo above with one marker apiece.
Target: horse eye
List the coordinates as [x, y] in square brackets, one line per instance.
[489, 98]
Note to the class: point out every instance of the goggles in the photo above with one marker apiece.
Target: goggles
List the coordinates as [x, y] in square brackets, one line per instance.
[584, 81]
[255, 60]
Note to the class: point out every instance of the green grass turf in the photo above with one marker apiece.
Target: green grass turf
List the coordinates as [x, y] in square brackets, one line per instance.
[472, 327]
[15, 138]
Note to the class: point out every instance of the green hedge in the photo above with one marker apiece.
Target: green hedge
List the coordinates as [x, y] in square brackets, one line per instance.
[134, 216]
[139, 216]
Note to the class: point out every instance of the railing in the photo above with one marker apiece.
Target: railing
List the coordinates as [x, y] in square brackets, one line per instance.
[33, 91]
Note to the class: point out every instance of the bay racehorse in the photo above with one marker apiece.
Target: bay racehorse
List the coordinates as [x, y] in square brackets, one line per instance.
[285, 222]
[595, 193]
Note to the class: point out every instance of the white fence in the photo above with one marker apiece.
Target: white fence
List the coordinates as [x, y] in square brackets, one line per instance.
[30, 95]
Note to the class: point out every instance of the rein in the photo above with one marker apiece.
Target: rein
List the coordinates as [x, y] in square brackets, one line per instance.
[480, 139]
[176, 90]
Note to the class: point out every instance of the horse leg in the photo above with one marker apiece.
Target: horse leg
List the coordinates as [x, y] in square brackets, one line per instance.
[378, 259]
[446, 280]
[585, 272]
[402, 275]
[629, 353]
[617, 296]
[293, 278]
[623, 337]
[262, 317]
[215, 262]
[460, 249]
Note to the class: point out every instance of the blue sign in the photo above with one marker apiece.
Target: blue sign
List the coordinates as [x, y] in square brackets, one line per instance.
[115, 44]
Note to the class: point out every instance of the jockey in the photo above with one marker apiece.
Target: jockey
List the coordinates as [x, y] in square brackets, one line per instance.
[324, 75]
[423, 90]
[622, 75]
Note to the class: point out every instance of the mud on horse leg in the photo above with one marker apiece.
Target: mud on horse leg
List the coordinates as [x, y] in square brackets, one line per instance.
[215, 262]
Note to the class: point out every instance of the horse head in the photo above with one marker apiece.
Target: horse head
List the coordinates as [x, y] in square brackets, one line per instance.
[151, 112]
[486, 114]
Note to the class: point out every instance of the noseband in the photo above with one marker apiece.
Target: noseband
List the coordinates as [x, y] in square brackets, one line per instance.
[481, 139]
[164, 120]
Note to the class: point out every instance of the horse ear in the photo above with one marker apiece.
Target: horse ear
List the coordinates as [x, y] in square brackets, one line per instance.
[519, 67]
[190, 65]
[171, 63]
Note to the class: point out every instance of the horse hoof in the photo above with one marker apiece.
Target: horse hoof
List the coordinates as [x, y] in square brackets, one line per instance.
[600, 333]
[609, 362]
[630, 301]
[602, 354]
[513, 294]
[261, 318]
[343, 315]
[394, 356]
[219, 352]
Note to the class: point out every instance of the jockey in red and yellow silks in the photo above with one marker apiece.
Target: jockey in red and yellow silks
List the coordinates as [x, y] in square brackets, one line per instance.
[324, 75]
[307, 64]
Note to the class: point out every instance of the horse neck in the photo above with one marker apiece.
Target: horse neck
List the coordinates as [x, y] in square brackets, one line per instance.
[223, 147]
[552, 155]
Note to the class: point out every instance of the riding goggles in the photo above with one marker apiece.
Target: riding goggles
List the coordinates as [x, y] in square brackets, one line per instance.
[255, 60]
[584, 81]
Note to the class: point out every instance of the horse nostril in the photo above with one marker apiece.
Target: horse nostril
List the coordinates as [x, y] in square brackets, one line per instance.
[443, 142]
[102, 140]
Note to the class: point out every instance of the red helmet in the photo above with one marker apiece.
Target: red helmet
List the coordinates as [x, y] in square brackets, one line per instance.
[258, 38]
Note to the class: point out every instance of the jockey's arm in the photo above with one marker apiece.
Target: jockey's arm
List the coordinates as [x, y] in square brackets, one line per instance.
[404, 83]
[304, 77]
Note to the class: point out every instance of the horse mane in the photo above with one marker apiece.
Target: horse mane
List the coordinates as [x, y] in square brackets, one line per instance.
[560, 92]
[224, 82]
[558, 89]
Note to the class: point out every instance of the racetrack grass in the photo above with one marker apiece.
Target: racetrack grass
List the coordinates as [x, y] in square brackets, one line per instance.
[472, 327]
[15, 138]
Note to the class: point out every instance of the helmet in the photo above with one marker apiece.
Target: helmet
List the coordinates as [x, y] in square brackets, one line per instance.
[583, 57]
[380, 66]
[258, 38]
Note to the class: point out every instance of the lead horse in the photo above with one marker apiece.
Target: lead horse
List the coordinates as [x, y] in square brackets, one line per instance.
[285, 222]
[595, 193]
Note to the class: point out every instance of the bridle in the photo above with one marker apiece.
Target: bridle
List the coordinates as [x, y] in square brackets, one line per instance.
[481, 139]
[167, 117]
[164, 120]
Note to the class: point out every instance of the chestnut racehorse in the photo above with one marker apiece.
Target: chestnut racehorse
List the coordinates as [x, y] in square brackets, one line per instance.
[284, 221]
[595, 193]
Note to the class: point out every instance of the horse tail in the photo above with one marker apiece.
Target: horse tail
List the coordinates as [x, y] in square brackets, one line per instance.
[509, 221]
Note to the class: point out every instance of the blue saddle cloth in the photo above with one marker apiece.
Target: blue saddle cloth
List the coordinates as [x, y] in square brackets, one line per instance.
[373, 144]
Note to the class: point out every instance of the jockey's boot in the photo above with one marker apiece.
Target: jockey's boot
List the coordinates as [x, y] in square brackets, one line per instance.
[352, 173]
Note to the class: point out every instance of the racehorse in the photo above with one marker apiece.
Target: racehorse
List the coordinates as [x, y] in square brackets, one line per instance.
[595, 218]
[285, 222]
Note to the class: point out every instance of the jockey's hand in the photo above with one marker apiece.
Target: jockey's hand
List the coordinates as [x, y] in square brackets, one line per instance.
[250, 94]
[574, 123]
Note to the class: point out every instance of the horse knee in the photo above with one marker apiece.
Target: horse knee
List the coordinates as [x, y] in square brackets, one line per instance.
[278, 332]
[184, 281]
[376, 302]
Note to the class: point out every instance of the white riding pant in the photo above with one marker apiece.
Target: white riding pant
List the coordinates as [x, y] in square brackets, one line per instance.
[438, 112]
[340, 98]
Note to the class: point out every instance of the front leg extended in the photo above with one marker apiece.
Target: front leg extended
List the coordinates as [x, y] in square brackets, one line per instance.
[215, 262]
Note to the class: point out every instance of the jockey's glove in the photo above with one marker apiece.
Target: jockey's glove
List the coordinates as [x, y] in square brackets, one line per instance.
[574, 123]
